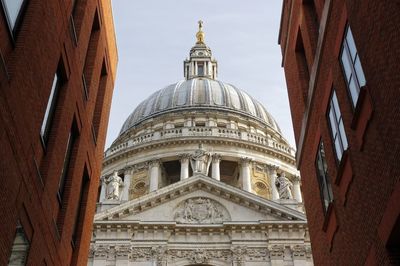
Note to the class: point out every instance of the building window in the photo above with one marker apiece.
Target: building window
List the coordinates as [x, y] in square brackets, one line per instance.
[337, 127]
[13, 10]
[98, 109]
[20, 247]
[351, 64]
[200, 69]
[91, 55]
[72, 137]
[50, 109]
[323, 178]
[80, 210]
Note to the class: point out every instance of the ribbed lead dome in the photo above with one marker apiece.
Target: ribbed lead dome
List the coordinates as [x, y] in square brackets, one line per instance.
[199, 93]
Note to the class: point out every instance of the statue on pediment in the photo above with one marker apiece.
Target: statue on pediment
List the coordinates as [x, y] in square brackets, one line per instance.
[284, 186]
[114, 184]
[200, 161]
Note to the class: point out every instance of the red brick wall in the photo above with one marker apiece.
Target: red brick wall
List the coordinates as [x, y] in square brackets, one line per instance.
[364, 181]
[29, 170]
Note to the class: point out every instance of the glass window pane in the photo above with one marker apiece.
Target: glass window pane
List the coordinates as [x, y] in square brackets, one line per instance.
[332, 121]
[338, 149]
[346, 64]
[13, 7]
[359, 72]
[336, 106]
[354, 91]
[343, 135]
[351, 44]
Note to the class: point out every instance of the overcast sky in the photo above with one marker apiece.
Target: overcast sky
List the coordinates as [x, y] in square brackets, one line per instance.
[155, 36]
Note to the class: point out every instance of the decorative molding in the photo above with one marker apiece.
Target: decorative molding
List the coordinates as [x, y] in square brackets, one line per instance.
[201, 210]
[202, 182]
[161, 254]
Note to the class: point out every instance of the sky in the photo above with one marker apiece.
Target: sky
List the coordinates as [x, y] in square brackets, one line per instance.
[155, 36]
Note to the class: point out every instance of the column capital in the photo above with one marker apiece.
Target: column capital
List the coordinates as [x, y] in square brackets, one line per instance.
[273, 167]
[296, 178]
[216, 158]
[154, 163]
[129, 169]
[183, 156]
[245, 160]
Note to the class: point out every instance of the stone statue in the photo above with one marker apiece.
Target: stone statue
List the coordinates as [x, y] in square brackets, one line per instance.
[200, 161]
[114, 183]
[284, 186]
[200, 33]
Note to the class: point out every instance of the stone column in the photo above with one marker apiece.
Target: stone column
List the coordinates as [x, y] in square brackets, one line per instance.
[127, 183]
[215, 172]
[296, 189]
[245, 173]
[195, 68]
[184, 159]
[103, 189]
[273, 175]
[154, 173]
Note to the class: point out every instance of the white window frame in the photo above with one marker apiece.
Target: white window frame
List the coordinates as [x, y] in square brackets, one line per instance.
[50, 108]
[337, 127]
[323, 177]
[351, 66]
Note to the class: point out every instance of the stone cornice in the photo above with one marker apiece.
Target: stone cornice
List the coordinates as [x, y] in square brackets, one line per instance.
[129, 151]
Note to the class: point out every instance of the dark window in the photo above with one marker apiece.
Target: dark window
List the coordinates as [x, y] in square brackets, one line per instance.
[65, 176]
[13, 10]
[20, 247]
[98, 109]
[50, 108]
[90, 55]
[311, 20]
[337, 127]
[200, 69]
[323, 178]
[302, 65]
[351, 65]
[80, 210]
[72, 22]
[72, 137]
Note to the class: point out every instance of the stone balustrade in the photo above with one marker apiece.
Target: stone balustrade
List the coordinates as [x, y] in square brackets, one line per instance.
[215, 132]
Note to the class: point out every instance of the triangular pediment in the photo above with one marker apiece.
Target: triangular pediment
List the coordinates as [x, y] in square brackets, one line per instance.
[200, 198]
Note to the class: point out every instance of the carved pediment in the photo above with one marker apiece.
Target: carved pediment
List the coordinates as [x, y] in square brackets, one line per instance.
[201, 210]
[168, 204]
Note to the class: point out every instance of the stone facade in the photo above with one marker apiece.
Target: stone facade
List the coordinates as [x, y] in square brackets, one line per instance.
[201, 163]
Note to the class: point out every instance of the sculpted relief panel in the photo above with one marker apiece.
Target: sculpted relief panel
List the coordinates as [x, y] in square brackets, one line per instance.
[201, 210]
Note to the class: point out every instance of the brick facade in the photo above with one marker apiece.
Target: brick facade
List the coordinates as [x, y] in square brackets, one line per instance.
[69, 38]
[361, 225]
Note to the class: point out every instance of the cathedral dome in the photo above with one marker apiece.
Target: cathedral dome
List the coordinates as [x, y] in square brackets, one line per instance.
[199, 93]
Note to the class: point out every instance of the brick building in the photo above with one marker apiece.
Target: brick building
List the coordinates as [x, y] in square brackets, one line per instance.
[341, 60]
[57, 70]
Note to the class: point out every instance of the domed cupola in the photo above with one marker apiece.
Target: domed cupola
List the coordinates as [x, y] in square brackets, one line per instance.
[220, 129]
[200, 91]
[200, 63]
